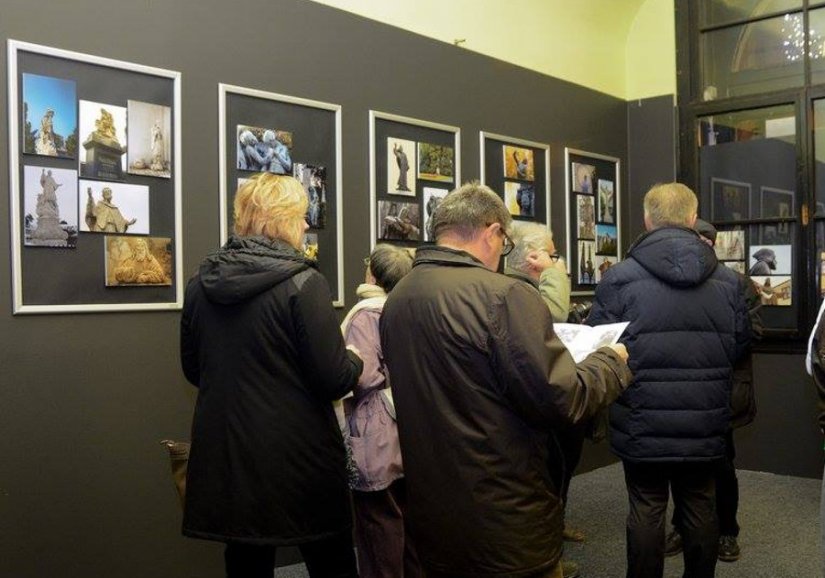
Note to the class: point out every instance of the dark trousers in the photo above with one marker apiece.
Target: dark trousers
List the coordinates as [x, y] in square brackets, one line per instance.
[694, 494]
[564, 453]
[384, 548]
[329, 558]
[727, 491]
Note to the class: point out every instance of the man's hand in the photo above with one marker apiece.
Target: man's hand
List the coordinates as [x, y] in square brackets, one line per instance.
[620, 350]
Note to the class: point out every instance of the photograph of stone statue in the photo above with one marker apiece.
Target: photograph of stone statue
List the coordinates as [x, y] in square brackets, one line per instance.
[400, 158]
[103, 139]
[114, 208]
[435, 162]
[583, 177]
[432, 198]
[264, 150]
[774, 291]
[49, 116]
[138, 260]
[311, 246]
[730, 245]
[607, 201]
[149, 150]
[520, 198]
[770, 260]
[586, 217]
[730, 200]
[314, 180]
[49, 207]
[518, 163]
[399, 221]
[607, 240]
[586, 265]
[738, 266]
[603, 263]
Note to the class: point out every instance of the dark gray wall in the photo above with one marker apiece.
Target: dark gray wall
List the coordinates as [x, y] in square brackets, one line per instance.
[84, 400]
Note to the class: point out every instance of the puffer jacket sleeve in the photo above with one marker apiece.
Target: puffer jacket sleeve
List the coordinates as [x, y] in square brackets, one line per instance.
[743, 322]
[606, 307]
[332, 370]
[538, 374]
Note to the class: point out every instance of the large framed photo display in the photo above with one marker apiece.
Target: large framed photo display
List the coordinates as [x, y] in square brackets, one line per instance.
[267, 132]
[517, 170]
[413, 165]
[593, 217]
[95, 183]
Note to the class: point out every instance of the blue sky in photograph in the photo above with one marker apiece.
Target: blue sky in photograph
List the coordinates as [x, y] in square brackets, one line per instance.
[44, 92]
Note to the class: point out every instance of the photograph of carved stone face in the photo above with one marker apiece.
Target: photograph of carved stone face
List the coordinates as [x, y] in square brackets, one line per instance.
[49, 207]
[49, 116]
[102, 140]
[586, 217]
[150, 139]
[583, 177]
[138, 260]
[435, 162]
[400, 159]
[518, 163]
[314, 180]
[264, 150]
[399, 221]
[520, 198]
[114, 208]
[607, 202]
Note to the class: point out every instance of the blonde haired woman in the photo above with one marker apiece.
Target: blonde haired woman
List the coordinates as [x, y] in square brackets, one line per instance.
[260, 340]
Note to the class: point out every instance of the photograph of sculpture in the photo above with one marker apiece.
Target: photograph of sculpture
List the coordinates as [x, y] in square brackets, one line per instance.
[314, 180]
[399, 221]
[774, 290]
[607, 201]
[583, 177]
[775, 203]
[114, 208]
[770, 260]
[518, 163]
[400, 157]
[149, 150]
[738, 266]
[49, 207]
[264, 150]
[103, 134]
[585, 217]
[606, 240]
[49, 116]
[520, 198]
[432, 198]
[435, 162]
[603, 263]
[311, 246]
[138, 260]
[730, 200]
[586, 267]
[730, 245]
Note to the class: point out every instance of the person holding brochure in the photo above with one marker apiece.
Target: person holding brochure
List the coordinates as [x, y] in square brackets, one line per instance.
[688, 326]
[478, 379]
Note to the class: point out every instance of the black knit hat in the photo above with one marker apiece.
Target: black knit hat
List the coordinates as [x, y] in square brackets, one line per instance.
[705, 229]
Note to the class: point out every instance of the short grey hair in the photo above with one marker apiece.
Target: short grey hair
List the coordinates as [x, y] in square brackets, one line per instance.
[670, 204]
[388, 264]
[468, 209]
[527, 238]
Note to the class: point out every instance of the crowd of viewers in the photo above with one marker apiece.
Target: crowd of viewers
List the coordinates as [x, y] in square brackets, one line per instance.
[463, 414]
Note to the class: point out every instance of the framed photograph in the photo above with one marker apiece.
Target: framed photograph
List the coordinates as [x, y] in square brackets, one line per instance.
[730, 200]
[520, 198]
[774, 290]
[607, 202]
[587, 263]
[603, 263]
[138, 261]
[149, 150]
[267, 132]
[607, 243]
[730, 245]
[518, 163]
[428, 153]
[770, 260]
[775, 203]
[83, 145]
[585, 217]
[49, 123]
[584, 176]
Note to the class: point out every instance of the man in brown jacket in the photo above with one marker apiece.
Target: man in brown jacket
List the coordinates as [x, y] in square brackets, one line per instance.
[479, 378]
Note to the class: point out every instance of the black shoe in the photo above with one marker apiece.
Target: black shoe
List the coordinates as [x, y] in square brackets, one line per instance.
[673, 544]
[728, 549]
[569, 569]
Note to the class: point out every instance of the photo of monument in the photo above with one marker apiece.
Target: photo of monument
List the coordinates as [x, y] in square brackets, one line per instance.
[520, 198]
[149, 150]
[607, 202]
[49, 116]
[518, 163]
[583, 177]
[138, 260]
[435, 162]
[264, 150]
[586, 217]
[314, 180]
[114, 208]
[606, 240]
[399, 221]
[432, 198]
[400, 158]
[103, 134]
[49, 207]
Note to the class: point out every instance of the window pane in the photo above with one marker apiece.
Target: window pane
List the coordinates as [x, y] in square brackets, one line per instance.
[753, 58]
[819, 157]
[816, 36]
[715, 12]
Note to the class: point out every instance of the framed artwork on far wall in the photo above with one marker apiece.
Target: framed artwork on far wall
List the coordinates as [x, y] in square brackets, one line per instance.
[730, 200]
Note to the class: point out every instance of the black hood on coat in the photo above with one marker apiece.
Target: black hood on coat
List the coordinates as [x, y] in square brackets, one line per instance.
[247, 266]
[676, 255]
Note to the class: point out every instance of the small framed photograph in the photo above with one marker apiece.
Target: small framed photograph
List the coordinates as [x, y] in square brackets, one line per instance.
[115, 208]
[775, 203]
[774, 290]
[314, 180]
[607, 202]
[150, 143]
[518, 163]
[730, 200]
[583, 176]
[103, 134]
[138, 261]
[520, 198]
[264, 150]
[399, 221]
[400, 158]
[586, 266]
[586, 217]
[432, 198]
[603, 263]
[49, 116]
[435, 162]
[730, 245]
[50, 207]
[606, 240]
[770, 260]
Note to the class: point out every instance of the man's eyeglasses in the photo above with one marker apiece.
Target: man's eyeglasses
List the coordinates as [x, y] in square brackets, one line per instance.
[554, 257]
[508, 244]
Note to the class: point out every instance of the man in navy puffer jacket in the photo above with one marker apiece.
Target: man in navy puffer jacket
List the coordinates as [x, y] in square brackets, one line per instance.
[688, 325]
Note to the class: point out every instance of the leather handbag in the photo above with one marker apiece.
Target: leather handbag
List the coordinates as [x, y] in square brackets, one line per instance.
[179, 460]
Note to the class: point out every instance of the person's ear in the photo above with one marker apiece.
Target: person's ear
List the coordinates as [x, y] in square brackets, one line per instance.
[692, 221]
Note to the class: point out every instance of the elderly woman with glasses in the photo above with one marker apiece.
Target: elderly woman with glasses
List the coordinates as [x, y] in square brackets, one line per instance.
[260, 340]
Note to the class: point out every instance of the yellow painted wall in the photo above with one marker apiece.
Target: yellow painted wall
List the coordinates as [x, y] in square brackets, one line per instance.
[600, 44]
